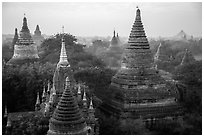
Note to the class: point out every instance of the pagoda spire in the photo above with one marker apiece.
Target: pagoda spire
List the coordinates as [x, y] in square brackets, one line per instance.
[63, 55]
[156, 57]
[114, 33]
[79, 92]
[15, 39]
[25, 25]
[44, 94]
[67, 118]
[48, 86]
[91, 104]
[6, 112]
[37, 104]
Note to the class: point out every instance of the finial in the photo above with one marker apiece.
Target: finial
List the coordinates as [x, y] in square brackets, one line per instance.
[62, 29]
[137, 7]
[24, 14]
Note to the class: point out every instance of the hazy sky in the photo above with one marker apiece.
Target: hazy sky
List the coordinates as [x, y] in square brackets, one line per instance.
[100, 19]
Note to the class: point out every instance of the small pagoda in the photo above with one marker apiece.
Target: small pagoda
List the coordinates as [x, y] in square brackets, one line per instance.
[37, 37]
[67, 118]
[24, 48]
[137, 89]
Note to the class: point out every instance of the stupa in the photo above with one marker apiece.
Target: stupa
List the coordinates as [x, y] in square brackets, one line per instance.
[67, 118]
[139, 91]
[24, 48]
[115, 43]
[63, 70]
[37, 37]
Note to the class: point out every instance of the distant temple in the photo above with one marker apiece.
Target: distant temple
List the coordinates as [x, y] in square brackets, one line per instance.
[37, 37]
[139, 91]
[24, 47]
[115, 43]
[114, 52]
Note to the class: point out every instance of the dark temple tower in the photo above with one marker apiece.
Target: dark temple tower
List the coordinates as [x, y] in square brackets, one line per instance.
[138, 89]
[67, 118]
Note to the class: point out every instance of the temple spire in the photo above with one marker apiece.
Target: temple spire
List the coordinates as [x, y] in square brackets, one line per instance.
[6, 111]
[37, 104]
[25, 26]
[79, 92]
[114, 33]
[15, 39]
[91, 104]
[156, 57]
[44, 95]
[63, 54]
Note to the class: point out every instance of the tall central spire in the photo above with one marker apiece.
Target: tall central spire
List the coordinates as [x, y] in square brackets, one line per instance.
[63, 55]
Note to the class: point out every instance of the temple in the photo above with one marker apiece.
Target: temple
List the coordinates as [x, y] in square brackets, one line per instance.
[114, 52]
[24, 47]
[67, 118]
[37, 37]
[139, 91]
[114, 43]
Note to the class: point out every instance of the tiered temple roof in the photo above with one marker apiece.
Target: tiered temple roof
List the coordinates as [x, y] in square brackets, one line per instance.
[24, 48]
[137, 84]
[67, 118]
[25, 36]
